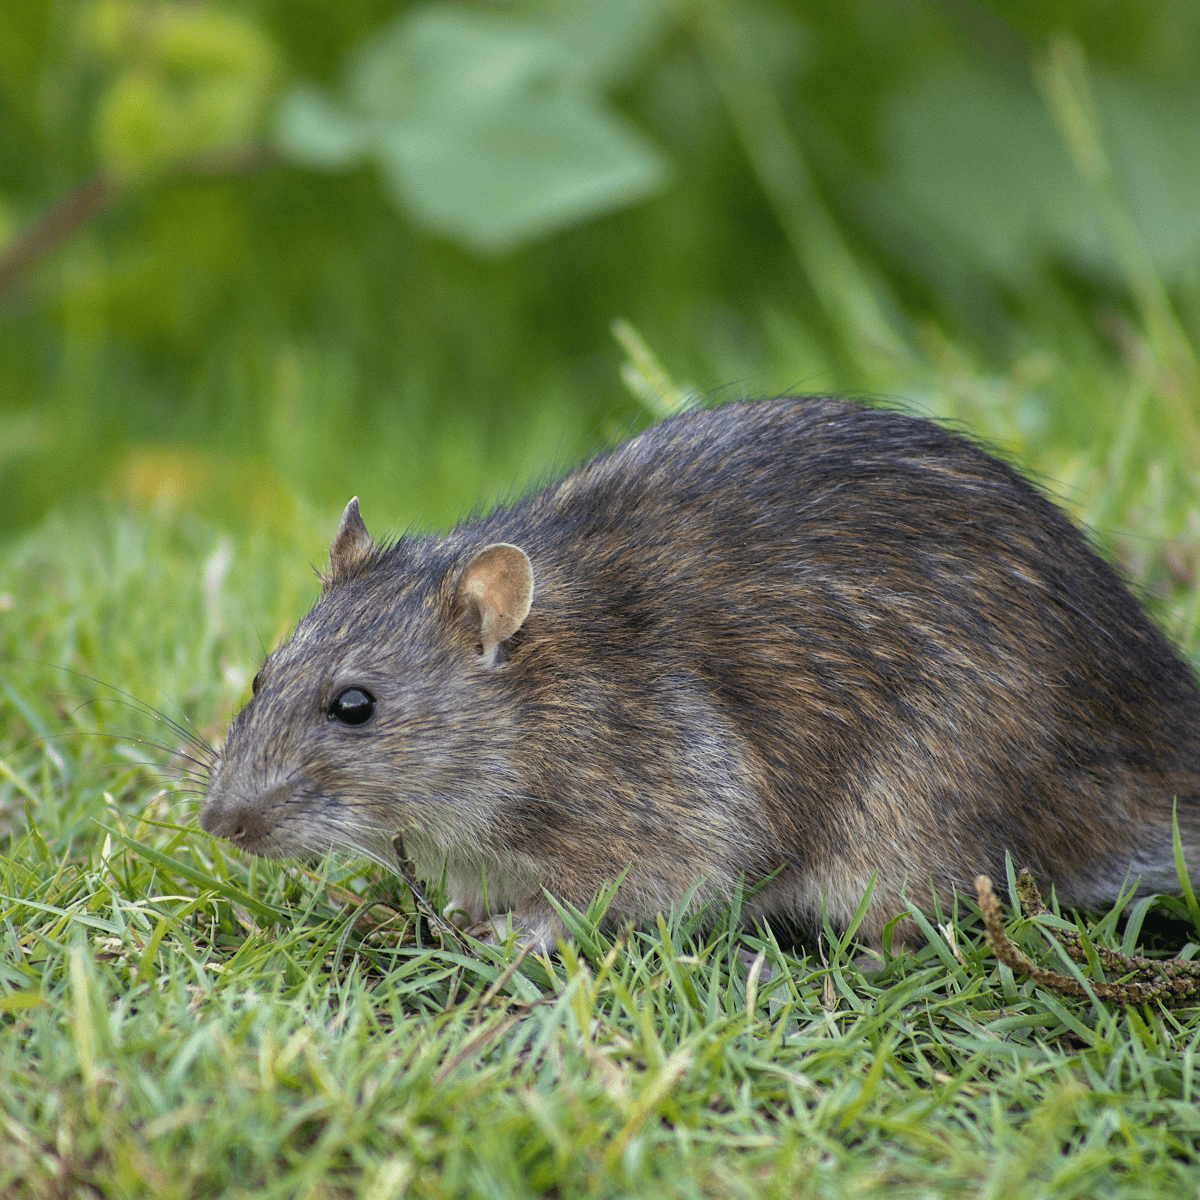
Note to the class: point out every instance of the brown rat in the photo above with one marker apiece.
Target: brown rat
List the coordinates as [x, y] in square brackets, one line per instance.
[796, 640]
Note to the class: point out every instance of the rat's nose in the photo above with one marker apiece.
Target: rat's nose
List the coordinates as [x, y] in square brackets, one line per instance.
[246, 823]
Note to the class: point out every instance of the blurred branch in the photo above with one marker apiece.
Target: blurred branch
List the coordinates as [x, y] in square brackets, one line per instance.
[55, 227]
[841, 286]
[86, 202]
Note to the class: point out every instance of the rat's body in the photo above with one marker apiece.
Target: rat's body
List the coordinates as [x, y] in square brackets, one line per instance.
[795, 639]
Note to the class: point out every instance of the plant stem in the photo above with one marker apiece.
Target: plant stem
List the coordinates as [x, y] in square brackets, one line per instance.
[842, 288]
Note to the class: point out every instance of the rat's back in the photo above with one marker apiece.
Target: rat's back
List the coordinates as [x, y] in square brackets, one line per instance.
[912, 659]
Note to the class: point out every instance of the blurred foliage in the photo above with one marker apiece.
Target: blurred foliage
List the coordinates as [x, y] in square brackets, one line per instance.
[264, 255]
[526, 150]
[183, 80]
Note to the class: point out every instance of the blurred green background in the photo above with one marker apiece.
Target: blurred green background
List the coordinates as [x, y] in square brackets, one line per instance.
[258, 257]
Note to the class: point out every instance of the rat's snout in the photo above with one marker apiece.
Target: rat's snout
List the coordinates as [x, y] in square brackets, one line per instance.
[245, 822]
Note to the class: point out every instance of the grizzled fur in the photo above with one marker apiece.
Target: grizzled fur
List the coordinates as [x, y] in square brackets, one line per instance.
[795, 639]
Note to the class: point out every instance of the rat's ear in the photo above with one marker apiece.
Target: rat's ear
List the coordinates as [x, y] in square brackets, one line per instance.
[494, 594]
[351, 545]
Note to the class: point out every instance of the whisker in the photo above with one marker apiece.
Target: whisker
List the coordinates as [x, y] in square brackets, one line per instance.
[145, 710]
[204, 765]
[188, 732]
[135, 739]
[198, 774]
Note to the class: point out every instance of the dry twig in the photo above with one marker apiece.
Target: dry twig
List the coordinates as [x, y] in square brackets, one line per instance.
[1172, 980]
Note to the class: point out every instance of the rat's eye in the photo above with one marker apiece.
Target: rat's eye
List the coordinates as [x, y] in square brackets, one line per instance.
[256, 684]
[352, 707]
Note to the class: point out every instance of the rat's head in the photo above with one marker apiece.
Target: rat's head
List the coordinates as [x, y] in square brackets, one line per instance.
[385, 712]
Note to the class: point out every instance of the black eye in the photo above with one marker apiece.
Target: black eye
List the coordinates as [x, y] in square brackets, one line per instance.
[352, 707]
[256, 684]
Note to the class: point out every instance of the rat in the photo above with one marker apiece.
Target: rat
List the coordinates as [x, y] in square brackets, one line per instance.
[790, 645]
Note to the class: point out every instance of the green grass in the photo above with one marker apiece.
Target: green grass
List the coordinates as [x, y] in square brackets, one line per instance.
[176, 1020]
[179, 1021]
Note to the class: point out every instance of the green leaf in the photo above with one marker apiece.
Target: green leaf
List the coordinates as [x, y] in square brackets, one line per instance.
[979, 155]
[190, 80]
[604, 37]
[312, 130]
[487, 130]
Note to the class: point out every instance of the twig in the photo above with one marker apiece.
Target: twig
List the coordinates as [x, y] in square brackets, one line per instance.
[407, 871]
[55, 227]
[89, 199]
[1173, 981]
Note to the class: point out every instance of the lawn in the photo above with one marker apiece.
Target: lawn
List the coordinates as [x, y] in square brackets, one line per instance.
[179, 1020]
[253, 324]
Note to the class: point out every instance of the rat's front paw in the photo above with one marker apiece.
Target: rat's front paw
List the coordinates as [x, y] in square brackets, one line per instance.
[538, 928]
[463, 913]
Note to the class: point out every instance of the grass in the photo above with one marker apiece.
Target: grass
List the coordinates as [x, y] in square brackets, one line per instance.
[181, 1023]
[178, 1023]
[176, 1020]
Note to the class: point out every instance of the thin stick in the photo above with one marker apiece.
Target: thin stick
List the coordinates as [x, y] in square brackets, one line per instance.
[1173, 981]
